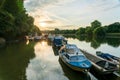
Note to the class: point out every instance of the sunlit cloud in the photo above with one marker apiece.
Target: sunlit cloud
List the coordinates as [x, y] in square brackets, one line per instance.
[36, 8]
[54, 13]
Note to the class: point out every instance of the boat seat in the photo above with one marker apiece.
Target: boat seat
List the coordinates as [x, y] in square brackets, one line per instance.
[106, 65]
[101, 63]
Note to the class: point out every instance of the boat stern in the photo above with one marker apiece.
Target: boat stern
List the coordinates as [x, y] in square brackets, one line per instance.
[83, 65]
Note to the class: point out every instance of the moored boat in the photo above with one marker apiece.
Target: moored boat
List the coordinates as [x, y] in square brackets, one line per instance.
[101, 65]
[74, 58]
[108, 56]
[58, 41]
[51, 37]
[37, 38]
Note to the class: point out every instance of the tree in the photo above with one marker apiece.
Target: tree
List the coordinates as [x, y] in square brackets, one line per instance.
[6, 24]
[57, 31]
[100, 32]
[113, 28]
[88, 31]
[13, 6]
[96, 24]
[81, 31]
[1, 3]
[14, 21]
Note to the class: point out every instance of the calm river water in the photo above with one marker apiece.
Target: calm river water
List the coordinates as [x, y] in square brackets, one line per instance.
[39, 61]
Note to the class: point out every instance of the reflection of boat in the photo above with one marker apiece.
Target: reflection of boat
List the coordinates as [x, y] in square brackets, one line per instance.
[102, 76]
[108, 57]
[74, 58]
[101, 65]
[55, 50]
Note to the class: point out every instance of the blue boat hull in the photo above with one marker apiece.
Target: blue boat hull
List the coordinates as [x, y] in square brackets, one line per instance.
[109, 57]
[76, 68]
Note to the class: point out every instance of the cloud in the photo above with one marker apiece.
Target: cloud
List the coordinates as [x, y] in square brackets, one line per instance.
[70, 12]
[37, 9]
[33, 5]
[113, 7]
[49, 22]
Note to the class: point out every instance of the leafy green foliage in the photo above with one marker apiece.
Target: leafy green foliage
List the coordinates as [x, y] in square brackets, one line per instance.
[1, 3]
[95, 24]
[6, 23]
[80, 31]
[88, 31]
[58, 31]
[113, 28]
[11, 7]
[14, 21]
[99, 32]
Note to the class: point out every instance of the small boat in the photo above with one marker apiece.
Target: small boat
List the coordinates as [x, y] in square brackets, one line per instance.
[59, 41]
[108, 56]
[37, 38]
[71, 55]
[51, 37]
[101, 65]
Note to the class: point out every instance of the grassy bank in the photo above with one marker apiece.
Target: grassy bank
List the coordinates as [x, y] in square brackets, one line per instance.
[2, 42]
[113, 35]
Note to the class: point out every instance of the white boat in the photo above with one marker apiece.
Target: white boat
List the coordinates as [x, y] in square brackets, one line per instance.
[37, 37]
[74, 58]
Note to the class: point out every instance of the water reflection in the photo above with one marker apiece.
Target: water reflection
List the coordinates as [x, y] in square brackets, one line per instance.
[55, 50]
[45, 65]
[39, 61]
[14, 59]
[97, 41]
[90, 44]
[104, 77]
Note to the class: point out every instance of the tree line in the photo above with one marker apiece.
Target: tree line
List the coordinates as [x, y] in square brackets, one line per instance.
[96, 29]
[14, 21]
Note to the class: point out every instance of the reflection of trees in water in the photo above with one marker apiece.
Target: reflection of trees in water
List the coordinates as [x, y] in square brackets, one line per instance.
[70, 36]
[115, 42]
[81, 38]
[49, 42]
[14, 59]
[97, 41]
[95, 44]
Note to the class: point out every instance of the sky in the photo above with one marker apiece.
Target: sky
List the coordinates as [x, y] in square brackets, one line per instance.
[72, 14]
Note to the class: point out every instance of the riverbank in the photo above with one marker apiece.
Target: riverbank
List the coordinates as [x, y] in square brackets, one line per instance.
[113, 35]
[2, 42]
[108, 35]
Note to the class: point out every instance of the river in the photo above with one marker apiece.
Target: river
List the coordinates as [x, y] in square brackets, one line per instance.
[33, 60]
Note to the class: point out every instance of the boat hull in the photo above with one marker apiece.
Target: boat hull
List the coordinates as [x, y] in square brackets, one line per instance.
[94, 60]
[101, 70]
[84, 70]
[108, 57]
